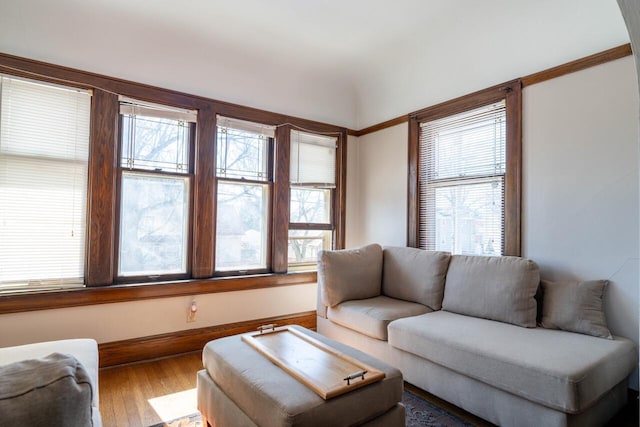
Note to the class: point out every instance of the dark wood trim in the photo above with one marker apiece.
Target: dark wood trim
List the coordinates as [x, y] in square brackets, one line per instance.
[101, 190]
[511, 91]
[280, 220]
[551, 73]
[151, 347]
[340, 199]
[413, 205]
[38, 70]
[578, 65]
[17, 303]
[204, 191]
[466, 102]
[380, 126]
[513, 175]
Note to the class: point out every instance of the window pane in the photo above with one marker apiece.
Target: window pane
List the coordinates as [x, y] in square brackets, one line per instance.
[463, 219]
[304, 246]
[241, 154]
[310, 206]
[154, 143]
[153, 225]
[241, 231]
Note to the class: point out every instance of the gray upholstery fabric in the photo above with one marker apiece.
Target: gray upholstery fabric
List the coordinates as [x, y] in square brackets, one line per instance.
[350, 274]
[83, 349]
[497, 288]
[490, 403]
[216, 407]
[220, 411]
[415, 275]
[51, 391]
[271, 397]
[559, 369]
[372, 316]
[575, 306]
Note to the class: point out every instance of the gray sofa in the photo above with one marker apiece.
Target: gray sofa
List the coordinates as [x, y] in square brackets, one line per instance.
[52, 383]
[483, 333]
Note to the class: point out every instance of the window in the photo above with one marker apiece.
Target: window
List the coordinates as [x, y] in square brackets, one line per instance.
[313, 181]
[244, 178]
[98, 189]
[44, 143]
[155, 183]
[467, 170]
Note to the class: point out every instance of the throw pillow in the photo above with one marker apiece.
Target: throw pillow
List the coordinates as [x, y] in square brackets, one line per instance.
[575, 306]
[350, 274]
[54, 390]
[495, 288]
[415, 275]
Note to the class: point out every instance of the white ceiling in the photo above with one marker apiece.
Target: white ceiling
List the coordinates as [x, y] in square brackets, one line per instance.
[351, 62]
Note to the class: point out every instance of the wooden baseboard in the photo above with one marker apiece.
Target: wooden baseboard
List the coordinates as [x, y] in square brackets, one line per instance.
[151, 347]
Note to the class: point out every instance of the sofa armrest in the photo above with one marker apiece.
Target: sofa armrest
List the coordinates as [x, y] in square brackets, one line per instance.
[321, 307]
[85, 350]
[52, 390]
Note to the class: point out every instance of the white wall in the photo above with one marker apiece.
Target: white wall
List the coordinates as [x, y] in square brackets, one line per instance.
[377, 206]
[113, 322]
[580, 189]
[580, 183]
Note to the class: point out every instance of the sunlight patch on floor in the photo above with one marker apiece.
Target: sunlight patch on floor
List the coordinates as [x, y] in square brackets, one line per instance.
[175, 405]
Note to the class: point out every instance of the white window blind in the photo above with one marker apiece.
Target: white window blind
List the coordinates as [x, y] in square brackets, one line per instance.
[313, 160]
[268, 131]
[462, 165]
[134, 107]
[44, 146]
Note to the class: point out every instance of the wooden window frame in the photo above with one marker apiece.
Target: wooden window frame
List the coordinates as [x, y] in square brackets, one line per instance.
[101, 282]
[511, 92]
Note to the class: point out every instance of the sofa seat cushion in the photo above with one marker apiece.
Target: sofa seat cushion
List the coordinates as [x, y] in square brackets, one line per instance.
[372, 316]
[562, 370]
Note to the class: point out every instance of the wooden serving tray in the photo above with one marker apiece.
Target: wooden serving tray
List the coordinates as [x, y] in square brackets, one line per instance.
[322, 368]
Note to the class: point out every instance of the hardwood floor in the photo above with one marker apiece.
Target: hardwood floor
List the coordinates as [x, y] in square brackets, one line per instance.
[128, 393]
[147, 393]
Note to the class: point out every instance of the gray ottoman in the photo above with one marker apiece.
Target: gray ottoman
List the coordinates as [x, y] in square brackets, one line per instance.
[241, 387]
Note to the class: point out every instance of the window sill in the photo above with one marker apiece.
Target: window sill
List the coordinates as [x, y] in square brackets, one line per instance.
[32, 301]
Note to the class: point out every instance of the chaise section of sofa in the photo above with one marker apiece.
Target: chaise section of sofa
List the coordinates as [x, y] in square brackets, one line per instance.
[477, 343]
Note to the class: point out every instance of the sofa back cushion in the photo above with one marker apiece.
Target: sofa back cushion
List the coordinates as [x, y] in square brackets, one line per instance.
[496, 288]
[415, 275]
[350, 274]
[575, 306]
